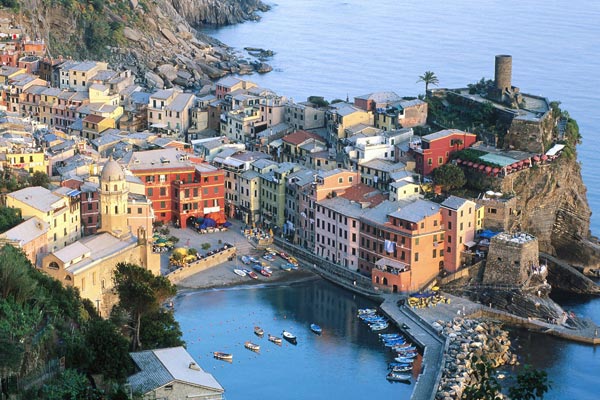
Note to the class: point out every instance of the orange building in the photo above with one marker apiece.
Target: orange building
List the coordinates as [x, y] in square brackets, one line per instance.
[180, 188]
[460, 222]
[401, 244]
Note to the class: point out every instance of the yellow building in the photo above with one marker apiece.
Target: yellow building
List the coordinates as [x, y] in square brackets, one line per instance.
[29, 161]
[249, 204]
[59, 209]
[404, 190]
[7, 72]
[99, 93]
[89, 263]
[94, 125]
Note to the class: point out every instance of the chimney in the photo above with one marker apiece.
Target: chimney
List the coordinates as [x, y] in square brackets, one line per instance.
[194, 366]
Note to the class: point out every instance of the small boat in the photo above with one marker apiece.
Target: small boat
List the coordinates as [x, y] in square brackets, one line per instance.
[252, 346]
[392, 376]
[251, 274]
[393, 365]
[223, 356]
[366, 311]
[395, 344]
[404, 360]
[258, 331]
[246, 260]
[275, 339]
[239, 272]
[265, 273]
[405, 349]
[316, 329]
[408, 355]
[290, 337]
[286, 267]
[384, 336]
[253, 260]
[378, 327]
[402, 369]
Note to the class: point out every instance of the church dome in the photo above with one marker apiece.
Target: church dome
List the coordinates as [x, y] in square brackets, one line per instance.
[112, 171]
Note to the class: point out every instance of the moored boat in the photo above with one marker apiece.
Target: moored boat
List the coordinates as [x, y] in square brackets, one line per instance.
[290, 337]
[223, 356]
[404, 360]
[378, 326]
[384, 336]
[275, 339]
[252, 346]
[362, 311]
[239, 272]
[402, 369]
[393, 365]
[393, 376]
[258, 331]
[316, 329]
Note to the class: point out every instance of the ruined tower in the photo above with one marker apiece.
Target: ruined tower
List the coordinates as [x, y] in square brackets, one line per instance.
[503, 74]
[511, 259]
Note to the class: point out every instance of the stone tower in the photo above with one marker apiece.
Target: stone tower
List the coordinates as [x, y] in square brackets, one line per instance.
[503, 75]
[511, 259]
[114, 192]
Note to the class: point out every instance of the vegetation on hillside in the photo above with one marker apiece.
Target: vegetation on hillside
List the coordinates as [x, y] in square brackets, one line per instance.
[9, 217]
[41, 321]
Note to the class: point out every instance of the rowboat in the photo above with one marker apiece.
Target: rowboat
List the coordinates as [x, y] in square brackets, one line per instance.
[403, 360]
[402, 369]
[392, 376]
[258, 331]
[408, 355]
[239, 272]
[378, 327]
[384, 336]
[286, 267]
[275, 339]
[223, 356]
[246, 260]
[252, 346]
[316, 329]
[393, 365]
[366, 311]
[290, 337]
[251, 274]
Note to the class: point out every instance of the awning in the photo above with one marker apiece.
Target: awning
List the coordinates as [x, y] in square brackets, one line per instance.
[470, 244]
[555, 149]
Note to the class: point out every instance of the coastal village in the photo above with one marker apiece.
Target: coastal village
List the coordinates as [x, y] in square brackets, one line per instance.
[347, 190]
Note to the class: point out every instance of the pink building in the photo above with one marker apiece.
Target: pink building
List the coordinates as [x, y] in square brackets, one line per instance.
[337, 230]
[31, 236]
[436, 148]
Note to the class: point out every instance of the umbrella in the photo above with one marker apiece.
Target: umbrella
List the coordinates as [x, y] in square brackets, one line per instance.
[527, 161]
[482, 167]
[496, 170]
[488, 169]
[475, 165]
[536, 158]
[470, 163]
[490, 193]
[544, 157]
[458, 160]
[520, 163]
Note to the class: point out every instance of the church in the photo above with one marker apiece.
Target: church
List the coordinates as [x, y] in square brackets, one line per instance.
[88, 264]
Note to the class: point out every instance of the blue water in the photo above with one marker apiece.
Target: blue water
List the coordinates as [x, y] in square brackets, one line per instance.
[340, 49]
[347, 361]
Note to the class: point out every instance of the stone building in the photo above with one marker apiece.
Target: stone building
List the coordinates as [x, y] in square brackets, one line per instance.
[500, 213]
[511, 259]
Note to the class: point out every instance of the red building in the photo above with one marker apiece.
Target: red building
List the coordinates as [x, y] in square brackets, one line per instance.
[436, 148]
[179, 186]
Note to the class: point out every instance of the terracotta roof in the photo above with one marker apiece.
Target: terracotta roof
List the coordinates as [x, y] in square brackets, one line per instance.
[300, 136]
[363, 193]
[94, 119]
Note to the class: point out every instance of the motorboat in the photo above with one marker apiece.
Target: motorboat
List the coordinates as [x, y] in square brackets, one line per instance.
[239, 272]
[290, 337]
[223, 356]
[393, 376]
[316, 329]
[258, 331]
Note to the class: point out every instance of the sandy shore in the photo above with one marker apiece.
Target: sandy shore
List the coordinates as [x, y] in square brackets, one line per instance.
[223, 276]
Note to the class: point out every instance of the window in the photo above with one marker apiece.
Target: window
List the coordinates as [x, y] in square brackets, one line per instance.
[449, 239]
[89, 220]
[340, 180]
[163, 191]
[434, 253]
[128, 210]
[116, 209]
[205, 191]
[429, 161]
[150, 192]
[217, 190]
[416, 256]
[89, 206]
[416, 241]
[53, 265]
[449, 224]
[163, 204]
[440, 160]
[449, 249]
[139, 210]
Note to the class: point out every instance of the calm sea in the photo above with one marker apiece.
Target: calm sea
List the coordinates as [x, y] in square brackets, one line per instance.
[340, 49]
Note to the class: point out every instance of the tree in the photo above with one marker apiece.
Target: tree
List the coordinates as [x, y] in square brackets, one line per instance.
[70, 385]
[140, 293]
[159, 330]
[429, 78]
[531, 384]
[109, 350]
[40, 179]
[9, 218]
[15, 277]
[449, 176]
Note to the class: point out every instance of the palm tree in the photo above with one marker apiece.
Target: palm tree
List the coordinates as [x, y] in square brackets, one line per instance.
[429, 78]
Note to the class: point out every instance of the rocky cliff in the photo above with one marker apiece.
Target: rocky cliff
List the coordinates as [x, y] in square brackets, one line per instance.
[156, 39]
[552, 205]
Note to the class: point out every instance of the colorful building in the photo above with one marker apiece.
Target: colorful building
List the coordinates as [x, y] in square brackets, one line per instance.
[435, 149]
[460, 218]
[180, 188]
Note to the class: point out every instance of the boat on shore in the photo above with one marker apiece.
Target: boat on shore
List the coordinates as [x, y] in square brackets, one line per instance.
[250, 274]
[223, 356]
[252, 346]
[246, 260]
[239, 272]
[286, 267]
[316, 329]
[290, 337]
[393, 376]
[275, 339]
[258, 331]
[362, 311]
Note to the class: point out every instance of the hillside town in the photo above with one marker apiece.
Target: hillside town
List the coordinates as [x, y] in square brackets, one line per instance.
[351, 182]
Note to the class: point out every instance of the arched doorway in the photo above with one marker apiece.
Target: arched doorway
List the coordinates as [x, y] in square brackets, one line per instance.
[385, 281]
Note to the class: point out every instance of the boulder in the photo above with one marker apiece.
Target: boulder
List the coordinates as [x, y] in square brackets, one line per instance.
[168, 71]
[132, 34]
[154, 80]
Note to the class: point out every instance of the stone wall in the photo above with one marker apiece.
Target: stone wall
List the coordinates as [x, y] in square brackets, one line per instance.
[208, 262]
[530, 135]
[499, 213]
[509, 262]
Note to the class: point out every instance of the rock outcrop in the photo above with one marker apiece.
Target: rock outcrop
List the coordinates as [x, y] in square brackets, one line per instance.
[155, 39]
[468, 338]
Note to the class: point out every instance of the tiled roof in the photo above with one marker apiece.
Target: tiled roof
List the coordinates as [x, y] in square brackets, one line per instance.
[299, 137]
[417, 211]
[454, 202]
